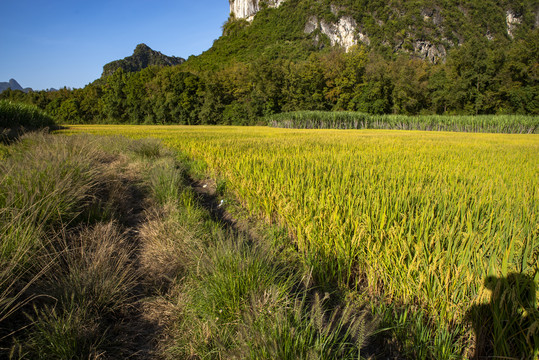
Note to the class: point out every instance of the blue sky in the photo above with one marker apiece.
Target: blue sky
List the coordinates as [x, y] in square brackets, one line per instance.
[52, 44]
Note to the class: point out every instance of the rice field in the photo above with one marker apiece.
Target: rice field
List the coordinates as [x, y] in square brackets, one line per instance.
[417, 218]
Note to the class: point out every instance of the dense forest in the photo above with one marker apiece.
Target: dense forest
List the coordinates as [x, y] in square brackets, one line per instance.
[273, 65]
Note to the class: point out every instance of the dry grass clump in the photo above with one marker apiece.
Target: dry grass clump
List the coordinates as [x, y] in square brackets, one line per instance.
[167, 247]
[88, 285]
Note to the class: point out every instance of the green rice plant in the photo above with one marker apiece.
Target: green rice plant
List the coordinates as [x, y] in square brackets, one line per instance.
[508, 326]
[221, 187]
[231, 283]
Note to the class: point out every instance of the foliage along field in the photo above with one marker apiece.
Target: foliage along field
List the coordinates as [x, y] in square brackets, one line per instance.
[507, 124]
[421, 218]
[16, 115]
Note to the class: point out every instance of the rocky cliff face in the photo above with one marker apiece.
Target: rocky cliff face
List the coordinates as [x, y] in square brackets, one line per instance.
[513, 20]
[343, 33]
[428, 33]
[246, 9]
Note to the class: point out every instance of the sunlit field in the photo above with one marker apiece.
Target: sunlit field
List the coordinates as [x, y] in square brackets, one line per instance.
[420, 218]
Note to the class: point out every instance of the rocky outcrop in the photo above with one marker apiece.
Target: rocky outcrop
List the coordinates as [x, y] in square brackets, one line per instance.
[344, 33]
[513, 20]
[428, 36]
[246, 9]
[142, 57]
[429, 51]
[432, 15]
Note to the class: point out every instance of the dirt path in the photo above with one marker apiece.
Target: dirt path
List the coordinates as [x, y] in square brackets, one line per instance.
[142, 326]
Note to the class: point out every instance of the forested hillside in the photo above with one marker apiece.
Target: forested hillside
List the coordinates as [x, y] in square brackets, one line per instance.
[412, 57]
[142, 57]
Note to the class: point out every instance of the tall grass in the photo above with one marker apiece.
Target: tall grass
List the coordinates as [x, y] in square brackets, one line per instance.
[72, 276]
[88, 285]
[67, 271]
[17, 115]
[512, 124]
[43, 187]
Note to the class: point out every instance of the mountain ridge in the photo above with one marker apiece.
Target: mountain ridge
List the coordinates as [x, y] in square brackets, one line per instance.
[13, 85]
[143, 56]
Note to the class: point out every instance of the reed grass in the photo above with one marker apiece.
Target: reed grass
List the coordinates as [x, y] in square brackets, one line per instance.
[17, 115]
[511, 124]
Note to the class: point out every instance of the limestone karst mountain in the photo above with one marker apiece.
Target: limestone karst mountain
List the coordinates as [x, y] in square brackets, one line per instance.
[142, 57]
[428, 29]
[467, 57]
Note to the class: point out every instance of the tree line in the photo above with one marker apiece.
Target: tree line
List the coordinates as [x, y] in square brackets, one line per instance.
[479, 77]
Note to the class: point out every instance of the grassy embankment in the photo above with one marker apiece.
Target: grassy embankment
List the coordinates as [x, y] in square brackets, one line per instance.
[439, 231]
[107, 252]
[510, 124]
[15, 118]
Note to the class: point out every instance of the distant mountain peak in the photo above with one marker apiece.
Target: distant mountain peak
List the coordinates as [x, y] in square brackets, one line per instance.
[143, 56]
[13, 85]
